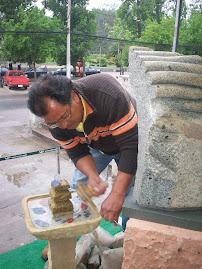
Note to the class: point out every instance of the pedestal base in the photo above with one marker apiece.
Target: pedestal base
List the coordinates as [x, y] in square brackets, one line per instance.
[61, 254]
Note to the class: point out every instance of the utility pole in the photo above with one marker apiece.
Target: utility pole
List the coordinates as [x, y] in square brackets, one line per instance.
[121, 69]
[100, 56]
[138, 19]
[68, 71]
[177, 25]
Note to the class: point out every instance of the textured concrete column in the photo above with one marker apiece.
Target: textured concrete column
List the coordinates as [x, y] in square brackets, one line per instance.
[149, 245]
[168, 90]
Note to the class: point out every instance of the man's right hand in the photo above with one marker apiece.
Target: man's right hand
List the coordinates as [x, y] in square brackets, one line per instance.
[96, 185]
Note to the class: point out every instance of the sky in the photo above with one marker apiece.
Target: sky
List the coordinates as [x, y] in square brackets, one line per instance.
[95, 4]
[103, 4]
[107, 4]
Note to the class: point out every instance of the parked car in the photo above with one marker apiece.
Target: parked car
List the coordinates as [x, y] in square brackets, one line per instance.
[88, 71]
[30, 73]
[62, 71]
[91, 71]
[15, 79]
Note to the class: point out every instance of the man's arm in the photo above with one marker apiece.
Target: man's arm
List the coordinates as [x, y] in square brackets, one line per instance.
[112, 206]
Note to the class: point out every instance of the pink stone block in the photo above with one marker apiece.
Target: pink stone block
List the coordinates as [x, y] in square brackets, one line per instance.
[148, 245]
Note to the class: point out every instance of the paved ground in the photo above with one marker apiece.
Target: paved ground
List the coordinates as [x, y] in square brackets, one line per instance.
[24, 176]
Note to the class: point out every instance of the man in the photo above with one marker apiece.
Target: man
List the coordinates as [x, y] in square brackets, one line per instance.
[10, 66]
[93, 116]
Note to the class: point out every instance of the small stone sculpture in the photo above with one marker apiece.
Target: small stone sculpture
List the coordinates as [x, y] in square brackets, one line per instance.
[59, 202]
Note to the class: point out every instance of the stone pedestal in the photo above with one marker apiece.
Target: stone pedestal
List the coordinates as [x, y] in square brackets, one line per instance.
[149, 245]
[61, 231]
[62, 253]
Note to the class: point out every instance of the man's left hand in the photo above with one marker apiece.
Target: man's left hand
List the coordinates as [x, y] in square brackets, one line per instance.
[111, 207]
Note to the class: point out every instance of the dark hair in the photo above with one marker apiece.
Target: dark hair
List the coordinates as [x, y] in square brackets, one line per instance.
[55, 87]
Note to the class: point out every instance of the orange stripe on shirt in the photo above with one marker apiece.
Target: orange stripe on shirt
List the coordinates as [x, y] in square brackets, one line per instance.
[125, 123]
[68, 144]
[126, 127]
[99, 131]
[72, 142]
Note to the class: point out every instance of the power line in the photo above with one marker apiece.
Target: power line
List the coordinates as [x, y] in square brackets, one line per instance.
[95, 37]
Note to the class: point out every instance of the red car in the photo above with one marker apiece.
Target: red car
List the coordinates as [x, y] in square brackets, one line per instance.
[15, 79]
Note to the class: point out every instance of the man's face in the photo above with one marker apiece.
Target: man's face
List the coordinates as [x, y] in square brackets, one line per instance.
[64, 116]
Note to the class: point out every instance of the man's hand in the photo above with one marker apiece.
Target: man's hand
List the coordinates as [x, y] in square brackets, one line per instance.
[96, 185]
[112, 206]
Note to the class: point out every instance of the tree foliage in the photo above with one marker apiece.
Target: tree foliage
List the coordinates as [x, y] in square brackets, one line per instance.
[189, 33]
[9, 9]
[82, 21]
[135, 13]
[159, 33]
[120, 31]
[105, 19]
[59, 8]
[31, 48]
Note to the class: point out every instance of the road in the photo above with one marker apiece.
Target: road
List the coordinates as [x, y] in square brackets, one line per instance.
[13, 105]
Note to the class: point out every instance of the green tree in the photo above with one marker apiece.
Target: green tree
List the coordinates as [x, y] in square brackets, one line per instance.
[31, 48]
[9, 9]
[82, 21]
[59, 8]
[134, 14]
[105, 19]
[159, 33]
[189, 32]
[120, 31]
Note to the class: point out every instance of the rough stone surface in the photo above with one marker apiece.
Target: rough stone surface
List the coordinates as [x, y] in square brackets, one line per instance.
[150, 245]
[112, 259]
[168, 90]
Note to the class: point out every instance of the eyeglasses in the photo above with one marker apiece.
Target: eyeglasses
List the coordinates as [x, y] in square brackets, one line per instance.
[63, 118]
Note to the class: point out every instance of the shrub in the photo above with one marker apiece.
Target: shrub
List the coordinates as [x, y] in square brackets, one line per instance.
[102, 61]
